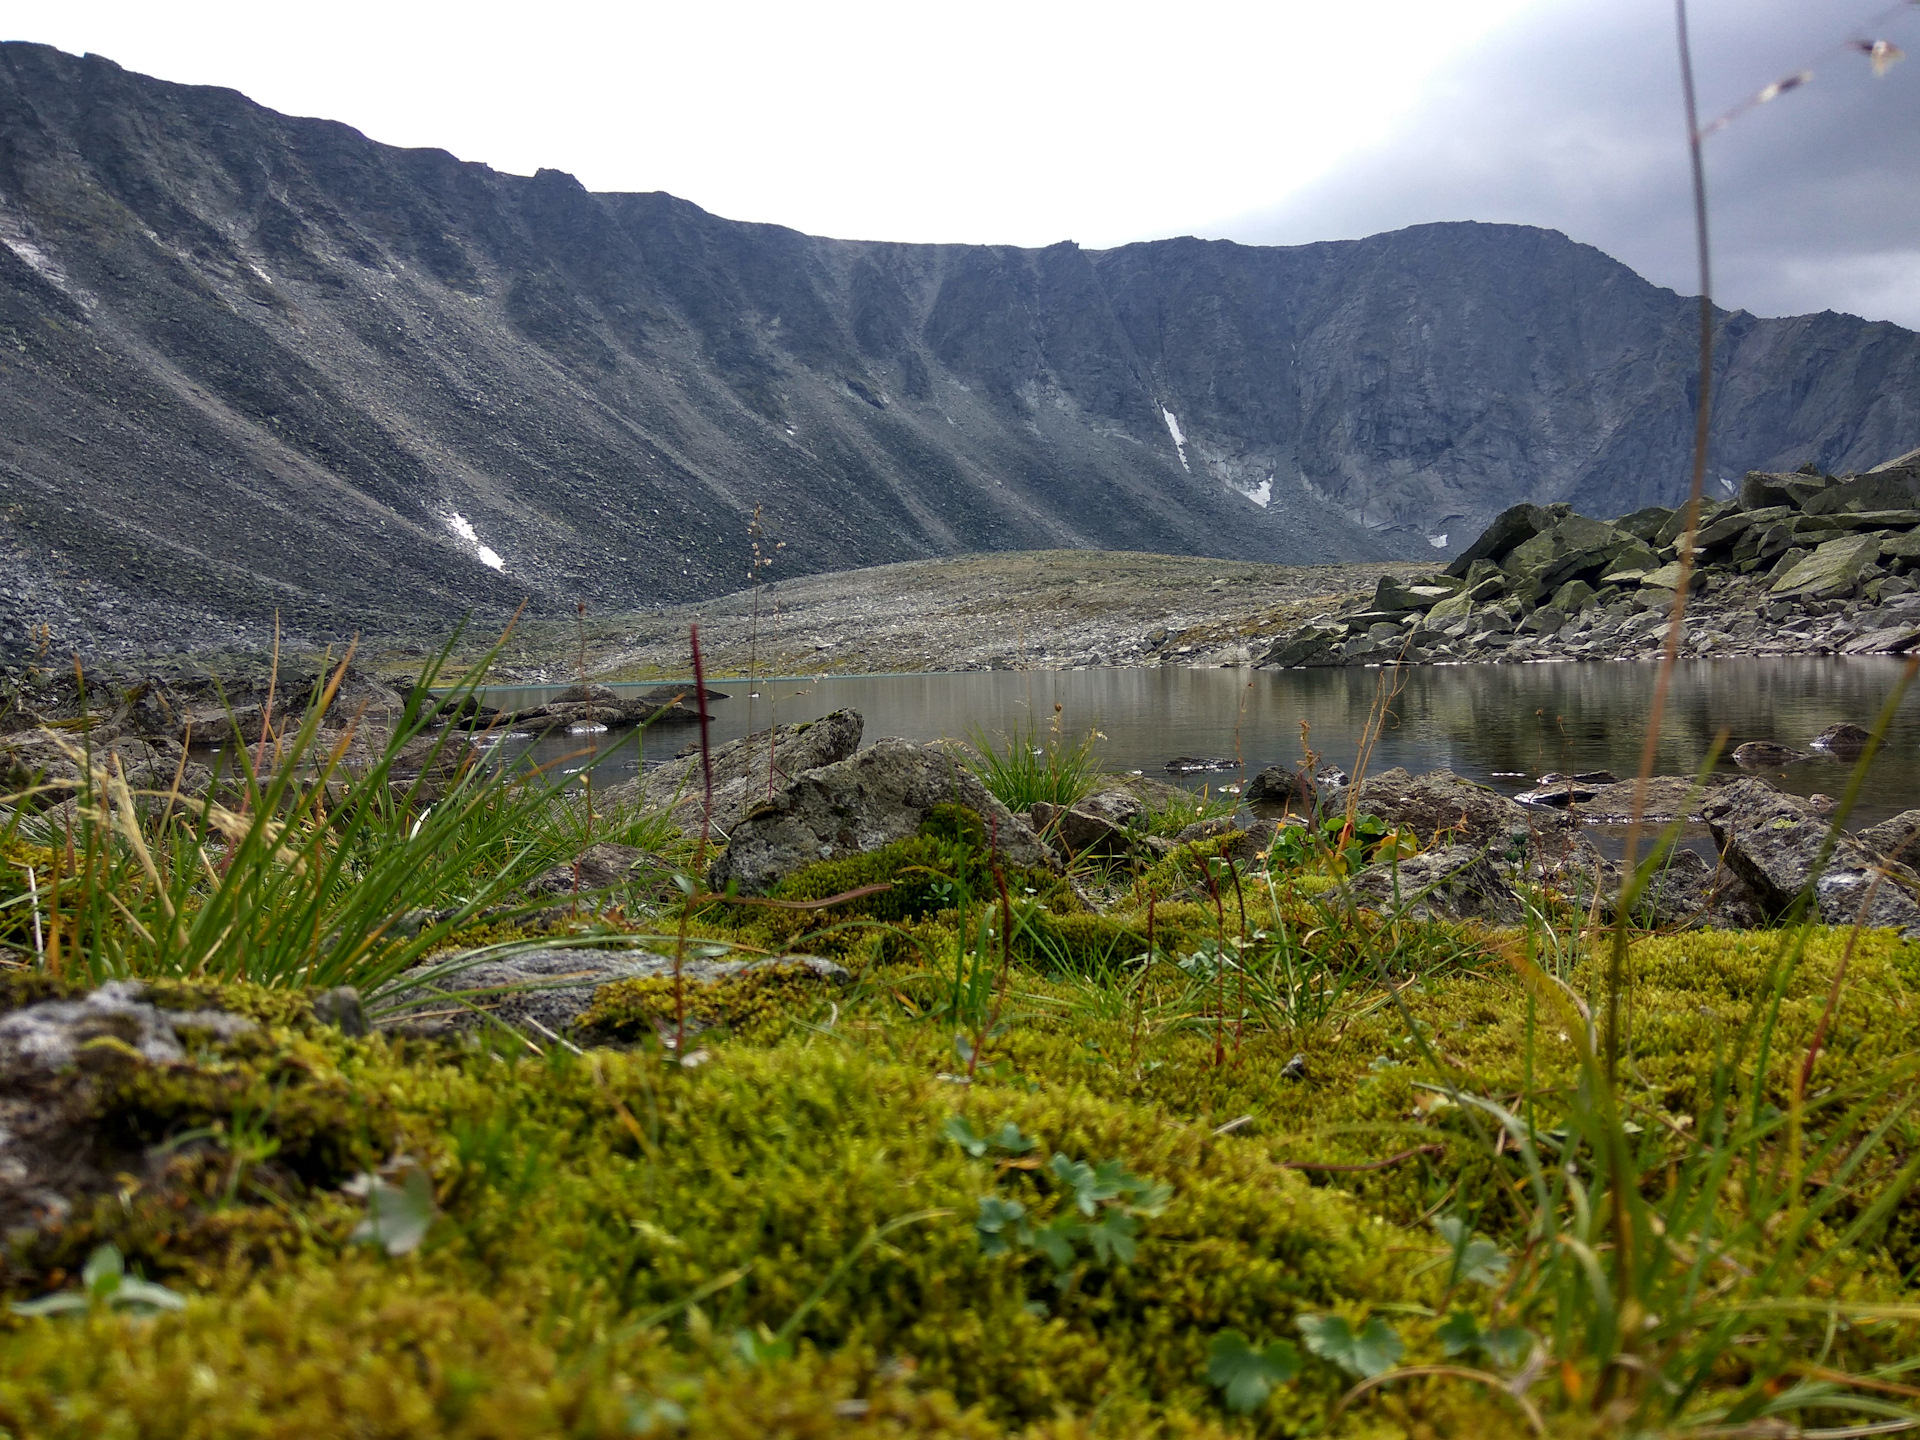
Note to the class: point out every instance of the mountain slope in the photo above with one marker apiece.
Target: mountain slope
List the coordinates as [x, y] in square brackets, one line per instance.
[250, 362]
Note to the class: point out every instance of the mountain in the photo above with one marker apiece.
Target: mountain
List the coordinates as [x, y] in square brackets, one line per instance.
[253, 363]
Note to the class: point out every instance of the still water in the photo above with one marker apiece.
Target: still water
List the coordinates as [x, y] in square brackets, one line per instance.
[1500, 724]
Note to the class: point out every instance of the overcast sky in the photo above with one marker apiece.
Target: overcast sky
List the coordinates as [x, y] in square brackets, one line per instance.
[1026, 123]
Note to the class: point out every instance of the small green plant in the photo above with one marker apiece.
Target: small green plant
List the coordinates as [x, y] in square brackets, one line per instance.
[105, 1285]
[1246, 1376]
[1101, 1226]
[1364, 1351]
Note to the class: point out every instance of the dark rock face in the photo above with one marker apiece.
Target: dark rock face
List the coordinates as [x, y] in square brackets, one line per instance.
[1772, 840]
[258, 362]
[882, 794]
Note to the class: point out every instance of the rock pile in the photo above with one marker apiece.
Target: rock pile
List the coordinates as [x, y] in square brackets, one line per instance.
[1798, 564]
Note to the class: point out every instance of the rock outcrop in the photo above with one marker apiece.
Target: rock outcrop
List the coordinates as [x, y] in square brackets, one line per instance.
[746, 772]
[1802, 563]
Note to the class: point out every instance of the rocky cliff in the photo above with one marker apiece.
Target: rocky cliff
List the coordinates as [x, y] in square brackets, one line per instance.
[250, 362]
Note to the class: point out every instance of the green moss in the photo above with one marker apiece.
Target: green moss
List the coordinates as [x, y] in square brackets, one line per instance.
[580, 1196]
[744, 1003]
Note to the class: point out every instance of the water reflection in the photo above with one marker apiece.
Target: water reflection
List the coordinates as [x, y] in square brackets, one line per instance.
[1501, 724]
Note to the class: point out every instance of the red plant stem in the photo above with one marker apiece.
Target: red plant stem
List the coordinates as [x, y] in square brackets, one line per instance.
[706, 748]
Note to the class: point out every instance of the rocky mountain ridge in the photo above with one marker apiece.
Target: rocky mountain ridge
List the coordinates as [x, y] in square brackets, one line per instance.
[251, 363]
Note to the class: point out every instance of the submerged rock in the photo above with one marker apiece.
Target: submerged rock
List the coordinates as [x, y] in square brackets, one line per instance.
[1766, 755]
[882, 794]
[1844, 740]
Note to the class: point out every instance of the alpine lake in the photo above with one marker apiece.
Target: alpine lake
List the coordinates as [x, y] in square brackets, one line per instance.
[1501, 725]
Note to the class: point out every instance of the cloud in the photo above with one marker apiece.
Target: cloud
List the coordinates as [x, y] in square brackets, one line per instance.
[1571, 119]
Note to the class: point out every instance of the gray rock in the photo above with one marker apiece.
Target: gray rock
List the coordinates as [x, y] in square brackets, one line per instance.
[1510, 527]
[1833, 568]
[1095, 824]
[54, 1034]
[550, 987]
[871, 799]
[597, 868]
[1685, 891]
[1844, 740]
[1443, 804]
[1312, 646]
[1772, 840]
[1891, 640]
[1455, 882]
[1895, 838]
[740, 771]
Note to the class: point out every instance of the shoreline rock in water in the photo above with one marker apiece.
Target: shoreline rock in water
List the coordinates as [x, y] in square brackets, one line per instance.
[1797, 564]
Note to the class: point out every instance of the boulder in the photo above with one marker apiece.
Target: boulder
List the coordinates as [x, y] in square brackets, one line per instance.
[872, 798]
[1510, 527]
[1443, 804]
[740, 772]
[1762, 489]
[1097, 824]
[1771, 839]
[1574, 548]
[1844, 740]
[1832, 569]
[1876, 490]
[550, 987]
[1889, 640]
[1399, 596]
[1643, 525]
[1731, 527]
[1573, 597]
[1455, 882]
[1668, 797]
[1629, 565]
[1894, 839]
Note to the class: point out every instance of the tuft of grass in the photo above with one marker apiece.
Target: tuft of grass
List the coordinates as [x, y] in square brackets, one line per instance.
[1024, 767]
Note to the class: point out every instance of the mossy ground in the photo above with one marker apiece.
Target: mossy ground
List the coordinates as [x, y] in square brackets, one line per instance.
[781, 1240]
